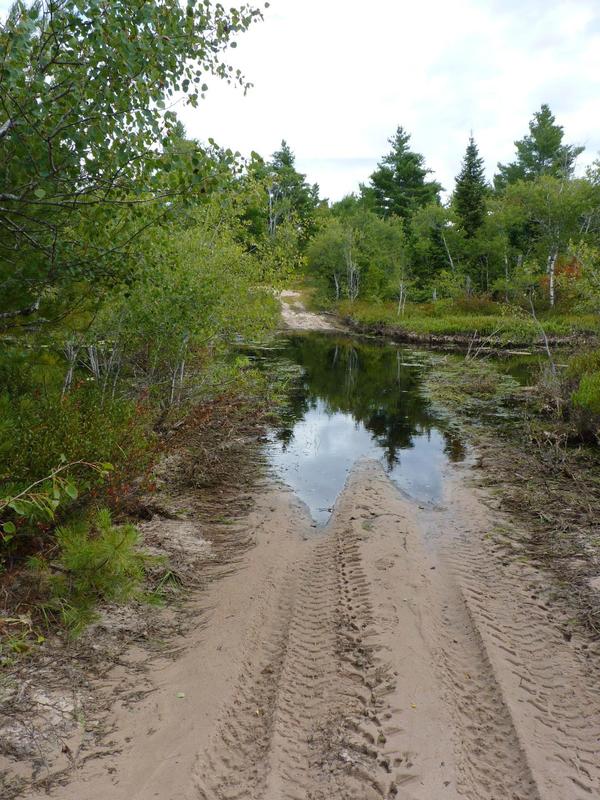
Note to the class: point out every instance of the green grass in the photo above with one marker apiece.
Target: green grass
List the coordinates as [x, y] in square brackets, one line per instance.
[504, 324]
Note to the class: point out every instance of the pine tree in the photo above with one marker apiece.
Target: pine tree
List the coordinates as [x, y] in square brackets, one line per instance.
[470, 191]
[290, 194]
[542, 152]
[398, 186]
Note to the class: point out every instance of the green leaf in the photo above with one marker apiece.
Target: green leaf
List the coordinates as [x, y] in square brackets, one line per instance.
[71, 490]
[40, 193]
[20, 507]
[9, 527]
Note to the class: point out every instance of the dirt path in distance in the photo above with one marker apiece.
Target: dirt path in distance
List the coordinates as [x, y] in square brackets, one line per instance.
[398, 653]
[295, 317]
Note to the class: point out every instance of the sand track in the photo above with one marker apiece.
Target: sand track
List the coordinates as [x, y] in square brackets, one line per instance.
[295, 317]
[397, 654]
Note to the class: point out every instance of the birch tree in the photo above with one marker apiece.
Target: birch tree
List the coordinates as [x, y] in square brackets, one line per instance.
[83, 124]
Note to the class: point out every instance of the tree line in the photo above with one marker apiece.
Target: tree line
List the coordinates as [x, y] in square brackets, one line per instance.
[533, 232]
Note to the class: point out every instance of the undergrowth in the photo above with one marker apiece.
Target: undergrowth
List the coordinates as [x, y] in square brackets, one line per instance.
[503, 324]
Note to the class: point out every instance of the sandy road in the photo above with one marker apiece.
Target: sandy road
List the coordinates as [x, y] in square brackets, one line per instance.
[401, 652]
[294, 315]
[396, 654]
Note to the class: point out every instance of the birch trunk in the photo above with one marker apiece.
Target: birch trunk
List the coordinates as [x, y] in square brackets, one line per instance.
[448, 252]
[552, 256]
[336, 281]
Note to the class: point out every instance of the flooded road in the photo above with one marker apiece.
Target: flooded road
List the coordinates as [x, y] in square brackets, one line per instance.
[359, 399]
[409, 650]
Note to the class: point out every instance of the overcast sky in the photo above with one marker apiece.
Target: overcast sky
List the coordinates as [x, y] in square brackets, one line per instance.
[336, 77]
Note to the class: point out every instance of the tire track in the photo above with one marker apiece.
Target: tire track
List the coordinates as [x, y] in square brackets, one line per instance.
[324, 705]
[552, 693]
[305, 722]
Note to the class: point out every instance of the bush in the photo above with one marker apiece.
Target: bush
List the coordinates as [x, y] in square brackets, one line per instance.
[41, 433]
[37, 430]
[97, 561]
[580, 395]
[476, 304]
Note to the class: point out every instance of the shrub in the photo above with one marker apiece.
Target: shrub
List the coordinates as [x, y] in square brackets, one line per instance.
[37, 431]
[580, 395]
[96, 561]
[42, 433]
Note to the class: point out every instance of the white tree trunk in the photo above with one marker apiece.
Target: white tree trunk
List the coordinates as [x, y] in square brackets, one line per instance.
[336, 281]
[71, 351]
[552, 256]
[353, 275]
[448, 252]
[401, 299]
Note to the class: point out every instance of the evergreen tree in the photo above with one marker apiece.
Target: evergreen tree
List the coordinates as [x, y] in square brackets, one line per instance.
[542, 152]
[289, 193]
[470, 191]
[398, 185]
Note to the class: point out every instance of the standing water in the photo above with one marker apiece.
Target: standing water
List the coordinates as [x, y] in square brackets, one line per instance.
[359, 399]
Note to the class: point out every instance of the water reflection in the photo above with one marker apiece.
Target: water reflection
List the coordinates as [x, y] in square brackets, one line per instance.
[355, 400]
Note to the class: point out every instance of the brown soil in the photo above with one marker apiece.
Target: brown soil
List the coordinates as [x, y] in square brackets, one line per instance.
[398, 653]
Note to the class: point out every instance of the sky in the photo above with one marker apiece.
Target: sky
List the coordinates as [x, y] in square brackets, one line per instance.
[336, 77]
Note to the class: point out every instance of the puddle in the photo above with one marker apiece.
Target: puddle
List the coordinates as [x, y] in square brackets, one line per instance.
[359, 399]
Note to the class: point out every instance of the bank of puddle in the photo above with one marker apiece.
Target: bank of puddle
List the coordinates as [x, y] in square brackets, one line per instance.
[359, 399]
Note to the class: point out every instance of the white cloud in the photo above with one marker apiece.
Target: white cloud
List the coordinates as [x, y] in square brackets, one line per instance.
[335, 78]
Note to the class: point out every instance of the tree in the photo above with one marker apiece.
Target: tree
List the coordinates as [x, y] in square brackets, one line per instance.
[556, 212]
[290, 196]
[279, 197]
[542, 152]
[83, 129]
[470, 192]
[326, 256]
[399, 186]
[356, 253]
[436, 242]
